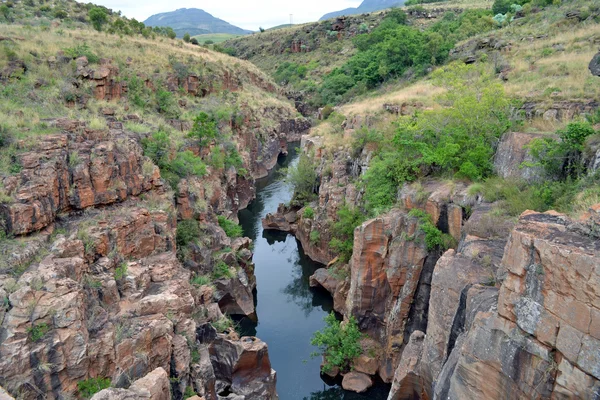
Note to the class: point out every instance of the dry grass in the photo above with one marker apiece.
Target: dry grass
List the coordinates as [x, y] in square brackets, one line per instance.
[421, 92]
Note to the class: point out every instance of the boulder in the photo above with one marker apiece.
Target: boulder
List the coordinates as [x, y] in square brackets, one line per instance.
[323, 278]
[594, 66]
[357, 382]
[154, 386]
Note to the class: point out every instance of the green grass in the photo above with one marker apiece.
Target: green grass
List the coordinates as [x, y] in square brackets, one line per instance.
[215, 37]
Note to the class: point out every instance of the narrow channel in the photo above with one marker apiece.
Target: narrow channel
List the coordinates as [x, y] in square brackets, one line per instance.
[288, 310]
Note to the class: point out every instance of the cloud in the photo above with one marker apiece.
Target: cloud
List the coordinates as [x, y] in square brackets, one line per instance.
[243, 13]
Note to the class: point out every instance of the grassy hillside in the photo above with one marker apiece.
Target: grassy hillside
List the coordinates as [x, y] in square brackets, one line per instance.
[215, 37]
[365, 7]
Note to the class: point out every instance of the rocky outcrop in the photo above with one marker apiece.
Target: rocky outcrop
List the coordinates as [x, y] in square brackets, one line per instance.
[512, 157]
[75, 170]
[534, 338]
[560, 110]
[154, 386]
[594, 66]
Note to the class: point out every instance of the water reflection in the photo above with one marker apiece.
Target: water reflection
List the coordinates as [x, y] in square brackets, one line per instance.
[288, 310]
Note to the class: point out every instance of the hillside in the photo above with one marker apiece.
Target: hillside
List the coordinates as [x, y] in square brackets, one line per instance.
[193, 21]
[366, 6]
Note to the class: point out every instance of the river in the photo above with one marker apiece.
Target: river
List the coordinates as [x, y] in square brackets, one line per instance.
[288, 310]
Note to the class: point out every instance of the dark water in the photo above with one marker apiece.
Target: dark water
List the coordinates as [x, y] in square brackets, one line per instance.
[288, 310]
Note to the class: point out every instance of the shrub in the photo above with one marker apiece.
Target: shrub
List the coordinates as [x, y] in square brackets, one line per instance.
[231, 229]
[166, 104]
[91, 386]
[434, 238]
[60, 13]
[186, 37]
[326, 112]
[303, 179]
[200, 280]
[187, 164]
[501, 6]
[98, 17]
[187, 231]
[38, 331]
[343, 231]
[315, 237]
[204, 128]
[82, 50]
[221, 270]
[207, 42]
[194, 41]
[223, 324]
[308, 213]
[338, 344]
[121, 271]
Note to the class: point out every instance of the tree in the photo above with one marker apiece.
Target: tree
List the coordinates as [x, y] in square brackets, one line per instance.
[98, 17]
[303, 178]
[501, 6]
[194, 41]
[261, 29]
[186, 37]
[204, 128]
[339, 343]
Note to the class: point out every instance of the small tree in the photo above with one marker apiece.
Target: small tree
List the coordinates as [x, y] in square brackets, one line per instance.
[194, 41]
[338, 343]
[98, 17]
[186, 37]
[204, 128]
[261, 29]
[303, 178]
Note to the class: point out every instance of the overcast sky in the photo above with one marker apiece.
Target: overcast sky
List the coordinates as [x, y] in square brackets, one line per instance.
[247, 14]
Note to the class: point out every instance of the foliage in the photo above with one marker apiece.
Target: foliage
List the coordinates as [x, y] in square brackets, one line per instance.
[339, 343]
[343, 231]
[303, 179]
[501, 6]
[38, 331]
[98, 17]
[394, 49]
[221, 270]
[200, 280]
[91, 386]
[186, 37]
[562, 159]
[121, 271]
[309, 213]
[315, 237]
[187, 164]
[434, 238]
[231, 229]
[456, 140]
[223, 324]
[204, 128]
[82, 50]
[188, 231]
[158, 148]
[166, 104]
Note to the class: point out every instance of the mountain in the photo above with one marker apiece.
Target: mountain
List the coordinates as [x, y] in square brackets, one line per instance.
[193, 21]
[365, 7]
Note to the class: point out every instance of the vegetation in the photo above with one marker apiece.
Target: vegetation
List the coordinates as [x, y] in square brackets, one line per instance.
[343, 231]
[38, 331]
[434, 238]
[188, 231]
[89, 387]
[200, 280]
[232, 229]
[221, 270]
[204, 128]
[303, 179]
[223, 324]
[309, 213]
[121, 271]
[339, 344]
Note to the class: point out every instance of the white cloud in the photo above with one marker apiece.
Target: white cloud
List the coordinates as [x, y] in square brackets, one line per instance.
[246, 14]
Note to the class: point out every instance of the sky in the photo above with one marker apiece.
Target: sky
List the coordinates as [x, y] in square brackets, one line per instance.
[247, 14]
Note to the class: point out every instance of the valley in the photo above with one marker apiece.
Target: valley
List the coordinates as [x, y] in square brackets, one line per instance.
[399, 204]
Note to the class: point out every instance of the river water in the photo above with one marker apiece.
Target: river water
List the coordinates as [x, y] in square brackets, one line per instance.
[288, 310]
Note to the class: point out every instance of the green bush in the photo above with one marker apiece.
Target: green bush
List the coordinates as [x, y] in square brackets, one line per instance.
[342, 241]
[166, 104]
[501, 6]
[303, 179]
[121, 271]
[98, 17]
[91, 386]
[434, 238]
[338, 344]
[38, 331]
[188, 231]
[186, 37]
[187, 164]
[221, 270]
[231, 229]
[223, 324]
[200, 280]
[308, 213]
[81, 50]
[315, 237]
[204, 128]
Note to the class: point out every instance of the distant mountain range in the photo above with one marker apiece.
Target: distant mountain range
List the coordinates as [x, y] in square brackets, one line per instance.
[193, 21]
[365, 7]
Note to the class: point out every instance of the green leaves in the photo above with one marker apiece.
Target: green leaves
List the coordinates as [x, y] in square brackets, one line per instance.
[231, 229]
[204, 128]
[338, 343]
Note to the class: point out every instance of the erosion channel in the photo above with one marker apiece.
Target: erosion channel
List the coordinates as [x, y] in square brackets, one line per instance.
[288, 310]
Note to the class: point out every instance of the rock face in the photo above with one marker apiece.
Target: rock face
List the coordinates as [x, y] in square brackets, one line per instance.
[532, 338]
[512, 153]
[154, 386]
[357, 382]
[74, 171]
